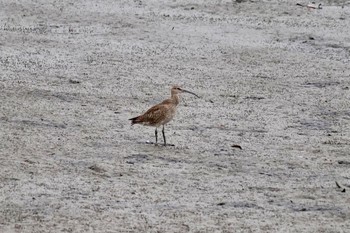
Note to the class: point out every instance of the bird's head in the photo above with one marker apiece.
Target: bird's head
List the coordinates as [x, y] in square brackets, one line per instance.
[177, 89]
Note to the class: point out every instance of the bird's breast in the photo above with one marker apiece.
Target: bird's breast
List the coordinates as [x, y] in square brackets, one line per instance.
[169, 115]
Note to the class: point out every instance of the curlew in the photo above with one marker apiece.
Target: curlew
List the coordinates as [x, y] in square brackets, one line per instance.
[162, 113]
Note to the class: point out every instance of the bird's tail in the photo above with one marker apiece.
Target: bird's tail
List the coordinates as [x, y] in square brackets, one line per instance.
[135, 120]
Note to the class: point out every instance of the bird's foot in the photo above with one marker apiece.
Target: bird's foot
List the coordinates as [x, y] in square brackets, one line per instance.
[168, 144]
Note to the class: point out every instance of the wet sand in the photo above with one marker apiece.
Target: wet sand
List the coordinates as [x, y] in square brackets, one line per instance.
[273, 78]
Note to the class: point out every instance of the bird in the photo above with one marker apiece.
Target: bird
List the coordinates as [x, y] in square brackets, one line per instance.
[162, 113]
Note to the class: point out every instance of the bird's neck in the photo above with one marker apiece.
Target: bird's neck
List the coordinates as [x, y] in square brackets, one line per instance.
[175, 98]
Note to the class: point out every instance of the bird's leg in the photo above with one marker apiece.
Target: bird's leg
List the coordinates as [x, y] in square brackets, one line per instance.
[165, 144]
[164, 136]
[156, 133]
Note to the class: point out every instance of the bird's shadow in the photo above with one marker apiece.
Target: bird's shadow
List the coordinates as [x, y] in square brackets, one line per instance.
[157, 144]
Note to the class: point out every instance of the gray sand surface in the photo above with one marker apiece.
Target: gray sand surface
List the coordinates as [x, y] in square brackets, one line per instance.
[274, 78]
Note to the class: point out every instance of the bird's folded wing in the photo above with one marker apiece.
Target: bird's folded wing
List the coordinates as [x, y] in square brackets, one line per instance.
[155, 114]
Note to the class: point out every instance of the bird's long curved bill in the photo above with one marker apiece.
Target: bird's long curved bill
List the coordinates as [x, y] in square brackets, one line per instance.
[190, 93]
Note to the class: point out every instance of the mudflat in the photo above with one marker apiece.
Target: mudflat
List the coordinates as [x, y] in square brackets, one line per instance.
[265, 148]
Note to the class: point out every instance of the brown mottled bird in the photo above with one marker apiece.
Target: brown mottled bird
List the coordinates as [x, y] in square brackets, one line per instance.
[161, 113]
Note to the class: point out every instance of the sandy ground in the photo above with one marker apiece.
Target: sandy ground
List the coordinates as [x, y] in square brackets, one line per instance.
[273, 78]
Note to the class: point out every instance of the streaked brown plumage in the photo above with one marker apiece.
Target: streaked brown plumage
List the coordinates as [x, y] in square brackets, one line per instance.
[161, 113]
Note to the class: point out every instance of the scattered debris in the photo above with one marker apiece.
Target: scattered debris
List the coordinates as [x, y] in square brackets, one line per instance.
[236, 146]
[337, 184]
[311, 5]
[340, 187]
[74, 81]
[344, 162]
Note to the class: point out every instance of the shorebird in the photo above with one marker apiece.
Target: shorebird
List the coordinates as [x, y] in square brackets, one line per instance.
[162, 113]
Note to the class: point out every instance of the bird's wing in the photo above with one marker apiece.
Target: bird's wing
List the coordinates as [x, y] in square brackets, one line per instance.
[156, 114]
